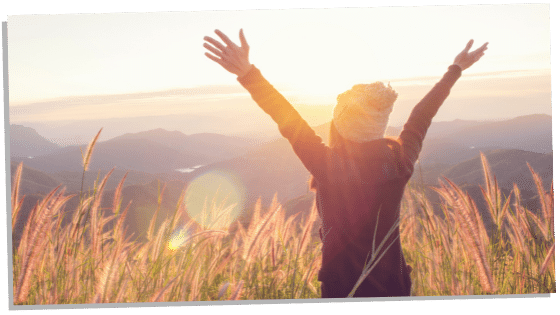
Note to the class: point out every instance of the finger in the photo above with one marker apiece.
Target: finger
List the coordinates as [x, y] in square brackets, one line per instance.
[469, 45]
[481, 48]
[216, 43]
[225, 38]
[213, 50]
[216, 59]
[243, 40]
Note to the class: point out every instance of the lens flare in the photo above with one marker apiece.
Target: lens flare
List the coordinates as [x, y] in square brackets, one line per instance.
[215, 199]
[178, 239]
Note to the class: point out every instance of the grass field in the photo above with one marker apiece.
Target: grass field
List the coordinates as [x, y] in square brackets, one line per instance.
[274, 257]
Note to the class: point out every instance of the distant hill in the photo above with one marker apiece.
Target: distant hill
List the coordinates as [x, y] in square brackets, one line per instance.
[508, 165]
[25, 142]
[448, 151]
[214, 146]
[445, 128]
[529, 133]
[126, 154]
[272, 167]
[156, 151]
[34, 181]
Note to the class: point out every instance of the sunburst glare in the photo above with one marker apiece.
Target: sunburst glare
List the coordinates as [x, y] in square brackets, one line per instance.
[178, 239]
[215, 199]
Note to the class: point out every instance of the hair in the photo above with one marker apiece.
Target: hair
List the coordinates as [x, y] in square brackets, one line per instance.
[337, 141]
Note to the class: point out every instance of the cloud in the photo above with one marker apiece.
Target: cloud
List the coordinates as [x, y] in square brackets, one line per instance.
[520, 88]
[153, 103]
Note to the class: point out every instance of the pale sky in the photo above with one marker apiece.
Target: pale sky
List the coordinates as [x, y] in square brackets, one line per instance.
[311, 55]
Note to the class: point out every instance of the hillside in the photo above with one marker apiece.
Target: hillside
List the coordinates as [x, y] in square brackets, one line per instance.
[529, 133]
[273, 167]
[439, 154]
[155, 151]
[126, 154]
[34, 181]
[509, 167]
[25, 142]
[213, 146]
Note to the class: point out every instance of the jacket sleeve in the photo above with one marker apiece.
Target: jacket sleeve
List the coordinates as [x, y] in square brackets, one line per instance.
[307, 145]
[416, 127]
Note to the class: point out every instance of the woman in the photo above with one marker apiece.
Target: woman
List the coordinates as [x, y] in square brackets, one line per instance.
[360, 177]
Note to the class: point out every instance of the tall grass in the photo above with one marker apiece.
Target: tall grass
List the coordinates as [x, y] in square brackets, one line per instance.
[89, 260]
[454, 254]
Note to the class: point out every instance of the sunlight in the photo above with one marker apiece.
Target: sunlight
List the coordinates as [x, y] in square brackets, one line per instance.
[178, 239]
[215, 199]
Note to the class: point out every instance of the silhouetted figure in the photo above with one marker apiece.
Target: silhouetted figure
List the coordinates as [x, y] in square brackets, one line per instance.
[359, 179]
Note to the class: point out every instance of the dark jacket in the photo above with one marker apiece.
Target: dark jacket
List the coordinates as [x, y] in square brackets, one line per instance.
[354, 190]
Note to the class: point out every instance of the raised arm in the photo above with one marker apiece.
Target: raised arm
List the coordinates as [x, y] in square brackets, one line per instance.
[415, 129]
[307, 145]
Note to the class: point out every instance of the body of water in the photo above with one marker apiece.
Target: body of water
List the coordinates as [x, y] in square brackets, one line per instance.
[189, 169]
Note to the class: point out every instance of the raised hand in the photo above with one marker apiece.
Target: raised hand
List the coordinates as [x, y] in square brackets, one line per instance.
[233, 58]
[466, 59]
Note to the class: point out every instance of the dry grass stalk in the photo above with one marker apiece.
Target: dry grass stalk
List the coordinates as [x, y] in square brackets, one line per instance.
[159, 296]
[462, 203]
[195, 284]
[516, 235]
[306, 235]
[542, 193]
[377, 252]
[86, 158]
[16, 203]
[547, 260]
[35, 249]
[117, 196]
[179, 209]
[224, 262]
[236, 295]
[95, 227]
[252, 242]
[492, 192]
[120, 295]
[223, 290]
[150, 231]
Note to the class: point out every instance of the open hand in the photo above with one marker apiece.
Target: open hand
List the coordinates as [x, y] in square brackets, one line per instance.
[466, 59]
[233, 58]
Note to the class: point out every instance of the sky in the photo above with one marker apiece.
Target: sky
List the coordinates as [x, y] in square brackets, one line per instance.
[99, 66]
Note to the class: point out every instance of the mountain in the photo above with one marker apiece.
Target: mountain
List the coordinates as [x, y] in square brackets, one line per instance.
[508, 165]
[270, 168]
[154, 151]
[34, 181]
[457, 141]
[274, 167]
[25, 142]
[126, 154]
[529, 133]
[447, 151]
[443, 128]
[233, 122]
[214, 146]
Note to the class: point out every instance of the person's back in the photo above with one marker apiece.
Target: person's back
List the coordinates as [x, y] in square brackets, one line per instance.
[361, 197]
